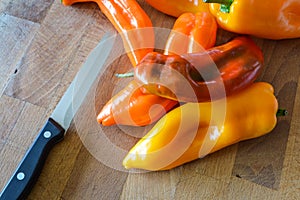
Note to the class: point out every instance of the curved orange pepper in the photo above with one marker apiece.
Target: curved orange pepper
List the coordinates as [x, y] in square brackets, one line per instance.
[133, 107]
[176, 8]
[131, 21]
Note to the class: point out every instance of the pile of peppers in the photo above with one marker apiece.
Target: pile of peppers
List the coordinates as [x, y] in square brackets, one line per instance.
[276, 19]
[177, 89]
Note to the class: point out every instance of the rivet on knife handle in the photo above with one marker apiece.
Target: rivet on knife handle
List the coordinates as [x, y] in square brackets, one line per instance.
[28, 171]
[31, 166]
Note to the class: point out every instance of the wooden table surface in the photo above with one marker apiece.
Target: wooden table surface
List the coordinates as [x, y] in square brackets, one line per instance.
[42, 46]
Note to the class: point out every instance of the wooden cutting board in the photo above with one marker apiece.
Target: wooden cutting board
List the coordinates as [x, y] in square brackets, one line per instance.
[42, 46]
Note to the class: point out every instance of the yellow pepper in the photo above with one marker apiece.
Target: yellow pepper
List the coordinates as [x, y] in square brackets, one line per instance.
[276, 19]
[184, 134]
[177, 7]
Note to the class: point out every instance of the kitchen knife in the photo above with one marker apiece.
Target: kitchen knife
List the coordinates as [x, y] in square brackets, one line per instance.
[28, 171]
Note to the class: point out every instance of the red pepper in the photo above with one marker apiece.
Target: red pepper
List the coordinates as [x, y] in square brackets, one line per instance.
[238, 63]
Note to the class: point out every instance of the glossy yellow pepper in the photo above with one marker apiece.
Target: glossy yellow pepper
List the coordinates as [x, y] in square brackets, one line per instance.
[177, 7]
[183, 135]
[276, 19]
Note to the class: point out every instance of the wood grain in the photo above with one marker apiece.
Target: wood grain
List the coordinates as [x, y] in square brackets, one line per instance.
[34, 11]
[16, 35]
[290, 173]
[58, 168]
[42, 46]
[10, 108]
[45, 62]
[20, 135]
[242, 189]
[101, 179]
[261, 160]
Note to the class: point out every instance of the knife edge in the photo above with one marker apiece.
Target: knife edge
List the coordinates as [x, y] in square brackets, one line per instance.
[53, 131]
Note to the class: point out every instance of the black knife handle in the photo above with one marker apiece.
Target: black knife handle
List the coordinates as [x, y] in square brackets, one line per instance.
[27, 173]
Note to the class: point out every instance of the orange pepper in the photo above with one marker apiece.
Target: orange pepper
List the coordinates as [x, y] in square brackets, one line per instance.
[131, 21]
[192, 33]
[276, 19]
[176, 8]
[132, 106]
[194, 130]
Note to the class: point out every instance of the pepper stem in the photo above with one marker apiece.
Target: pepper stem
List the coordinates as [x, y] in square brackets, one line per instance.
[126, 75]
[281, 112]
[225, 4]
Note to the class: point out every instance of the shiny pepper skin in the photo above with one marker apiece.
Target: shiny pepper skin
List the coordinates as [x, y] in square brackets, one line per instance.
[132, 23]
[132, 106]
[172, 142]
[275, 19]
[192, 32]
[176, 8]
[202, 76]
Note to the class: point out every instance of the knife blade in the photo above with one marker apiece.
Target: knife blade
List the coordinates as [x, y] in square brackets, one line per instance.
[53, 131]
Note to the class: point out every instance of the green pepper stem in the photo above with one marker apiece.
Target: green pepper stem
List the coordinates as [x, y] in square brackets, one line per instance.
[225, 4]
[281, 112]
[126, 75]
